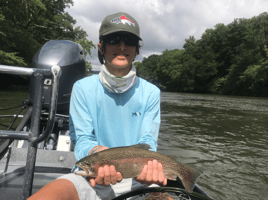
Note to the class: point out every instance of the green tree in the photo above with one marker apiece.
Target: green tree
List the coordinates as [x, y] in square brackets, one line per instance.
[174, 74]
[228, 59]
[25, 25]
[147, 69]
[245, 43]
[25, 28]
[255, 78]
[15, 39]
[9, 58]
[87, 46]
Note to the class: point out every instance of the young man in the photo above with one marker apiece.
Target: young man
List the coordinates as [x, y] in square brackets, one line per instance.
[113, 109]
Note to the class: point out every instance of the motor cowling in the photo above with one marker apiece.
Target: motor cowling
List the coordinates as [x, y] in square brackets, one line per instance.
[69, 56]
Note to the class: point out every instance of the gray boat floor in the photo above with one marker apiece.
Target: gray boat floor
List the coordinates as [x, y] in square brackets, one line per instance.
[49, 166]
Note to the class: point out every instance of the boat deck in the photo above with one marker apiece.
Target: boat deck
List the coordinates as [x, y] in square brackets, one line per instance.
[49, 166]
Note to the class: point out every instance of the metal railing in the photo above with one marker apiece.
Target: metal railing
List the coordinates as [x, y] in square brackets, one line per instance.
[33, 135]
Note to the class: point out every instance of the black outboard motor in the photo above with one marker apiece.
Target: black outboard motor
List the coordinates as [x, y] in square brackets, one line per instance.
[69, 56]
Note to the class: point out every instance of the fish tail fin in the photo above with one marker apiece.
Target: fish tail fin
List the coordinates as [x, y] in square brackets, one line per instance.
[189, 177]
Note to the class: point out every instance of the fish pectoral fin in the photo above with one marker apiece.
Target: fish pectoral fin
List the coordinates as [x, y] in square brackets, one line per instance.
[142, 146]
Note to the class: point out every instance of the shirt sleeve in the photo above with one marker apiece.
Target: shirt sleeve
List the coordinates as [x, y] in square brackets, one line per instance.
[81, 123]
[151, 121]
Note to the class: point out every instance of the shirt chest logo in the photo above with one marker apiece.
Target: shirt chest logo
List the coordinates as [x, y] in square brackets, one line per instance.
[136, 114]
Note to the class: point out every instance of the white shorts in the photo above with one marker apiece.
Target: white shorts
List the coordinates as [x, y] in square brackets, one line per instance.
[86, 192]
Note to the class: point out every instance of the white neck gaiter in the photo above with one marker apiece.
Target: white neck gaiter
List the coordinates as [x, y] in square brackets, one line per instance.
[117, 84]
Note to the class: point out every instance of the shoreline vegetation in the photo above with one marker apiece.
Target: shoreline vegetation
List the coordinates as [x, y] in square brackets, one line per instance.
[228, 59]
[27, 27]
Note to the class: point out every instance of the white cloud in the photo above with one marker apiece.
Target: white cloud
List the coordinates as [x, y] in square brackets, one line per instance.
[164, 24]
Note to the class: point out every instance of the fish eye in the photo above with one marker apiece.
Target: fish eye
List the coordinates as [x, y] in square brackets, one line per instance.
[87, 164]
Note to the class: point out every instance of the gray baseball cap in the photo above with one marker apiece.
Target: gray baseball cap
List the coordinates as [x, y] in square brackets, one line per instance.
[119, 22]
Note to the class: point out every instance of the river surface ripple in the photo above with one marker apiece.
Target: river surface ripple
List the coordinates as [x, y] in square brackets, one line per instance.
[225, 136]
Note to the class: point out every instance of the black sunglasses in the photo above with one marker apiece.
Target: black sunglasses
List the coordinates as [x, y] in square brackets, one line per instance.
[129, 40]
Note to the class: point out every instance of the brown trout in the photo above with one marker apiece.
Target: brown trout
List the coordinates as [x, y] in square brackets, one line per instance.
[129, 161]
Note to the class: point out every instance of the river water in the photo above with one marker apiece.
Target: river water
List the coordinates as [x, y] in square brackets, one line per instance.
[225, 136]
[11, 99]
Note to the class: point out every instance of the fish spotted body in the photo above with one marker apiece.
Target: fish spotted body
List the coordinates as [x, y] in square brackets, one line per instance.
[129, 161]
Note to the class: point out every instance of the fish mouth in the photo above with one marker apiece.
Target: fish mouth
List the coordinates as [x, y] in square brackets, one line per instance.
[86, 172]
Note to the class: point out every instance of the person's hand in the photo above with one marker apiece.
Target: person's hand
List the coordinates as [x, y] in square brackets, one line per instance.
[106, 175]
[152, 173]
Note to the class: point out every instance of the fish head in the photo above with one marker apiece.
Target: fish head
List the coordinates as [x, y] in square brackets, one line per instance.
[84, 164]
[88, 167]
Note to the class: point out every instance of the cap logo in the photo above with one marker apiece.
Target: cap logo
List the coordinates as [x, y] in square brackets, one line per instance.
[122, 19]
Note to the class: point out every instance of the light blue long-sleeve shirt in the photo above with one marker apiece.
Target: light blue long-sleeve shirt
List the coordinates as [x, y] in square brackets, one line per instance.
[99, 117]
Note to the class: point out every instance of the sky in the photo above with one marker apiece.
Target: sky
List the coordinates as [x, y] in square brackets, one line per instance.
[164, 24]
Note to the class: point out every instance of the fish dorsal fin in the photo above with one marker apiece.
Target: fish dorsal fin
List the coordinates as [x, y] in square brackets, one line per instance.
[142, 146]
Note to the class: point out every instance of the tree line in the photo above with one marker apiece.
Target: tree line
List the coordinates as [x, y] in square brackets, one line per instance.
[26, 25]
[228, 59]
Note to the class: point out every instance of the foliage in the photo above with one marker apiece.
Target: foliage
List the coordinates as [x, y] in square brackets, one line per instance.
[229, 59]
[255, 78]
[11, 59]
[87, 46]
[27, 24]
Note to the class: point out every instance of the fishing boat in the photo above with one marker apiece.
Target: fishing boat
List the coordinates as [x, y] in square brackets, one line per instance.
[39, 149]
